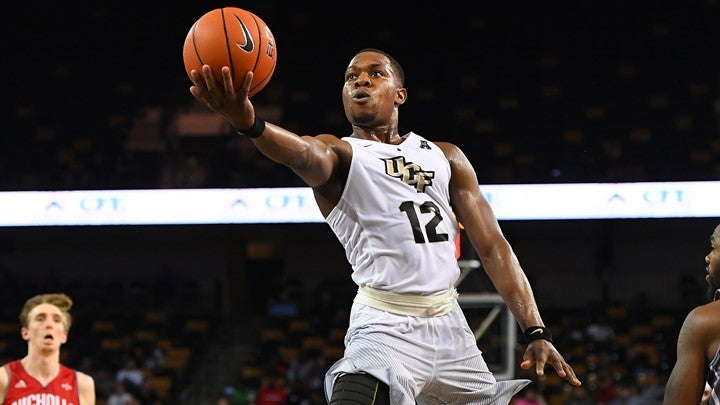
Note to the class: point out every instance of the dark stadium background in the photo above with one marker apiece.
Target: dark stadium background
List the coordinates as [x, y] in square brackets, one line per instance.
[582, 91]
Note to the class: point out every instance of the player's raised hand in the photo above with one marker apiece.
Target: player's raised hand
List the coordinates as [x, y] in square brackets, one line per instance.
[235, 106]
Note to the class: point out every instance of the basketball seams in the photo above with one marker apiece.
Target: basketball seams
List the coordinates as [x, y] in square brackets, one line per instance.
[260, 44]
[229, 47]
[194, 45]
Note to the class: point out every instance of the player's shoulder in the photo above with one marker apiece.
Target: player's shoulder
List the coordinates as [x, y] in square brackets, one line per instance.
[85, 380]
[703, 317]
[327, 138]
[83, 375]
[86, 386]
[334, 143]
[452, 152]
[446, 145]
[711, 311]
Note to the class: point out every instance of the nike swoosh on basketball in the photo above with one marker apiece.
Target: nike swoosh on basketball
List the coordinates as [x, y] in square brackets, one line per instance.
[538, 330]
[249, 44]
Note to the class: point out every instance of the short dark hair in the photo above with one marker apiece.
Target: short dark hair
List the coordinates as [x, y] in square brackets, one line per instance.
[399, 72]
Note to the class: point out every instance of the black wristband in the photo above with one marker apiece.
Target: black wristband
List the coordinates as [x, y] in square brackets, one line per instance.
[537, 332]
[254, 131]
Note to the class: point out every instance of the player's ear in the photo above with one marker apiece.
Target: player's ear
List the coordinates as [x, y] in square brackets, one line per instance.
[24, 333]
[400, 96]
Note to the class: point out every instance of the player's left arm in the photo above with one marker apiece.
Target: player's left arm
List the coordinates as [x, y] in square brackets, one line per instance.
[499, 260]
[86, 386]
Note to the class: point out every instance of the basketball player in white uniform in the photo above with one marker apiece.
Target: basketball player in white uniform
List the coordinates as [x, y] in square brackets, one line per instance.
[392, 201]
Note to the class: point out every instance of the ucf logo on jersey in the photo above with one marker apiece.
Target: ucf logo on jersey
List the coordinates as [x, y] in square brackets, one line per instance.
[409, 173]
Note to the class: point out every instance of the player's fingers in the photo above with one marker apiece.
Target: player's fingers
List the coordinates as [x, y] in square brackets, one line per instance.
[210, 82]
[540, 367]
[563, 369]
[196, 78]
[228, 82]
[569, 374]
[195, 91]
[538, 355]
[245, 86]
[198, 89]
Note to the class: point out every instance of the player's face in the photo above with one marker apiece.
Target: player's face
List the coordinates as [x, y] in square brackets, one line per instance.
[46, 327]
[713, 262]
[371, 93]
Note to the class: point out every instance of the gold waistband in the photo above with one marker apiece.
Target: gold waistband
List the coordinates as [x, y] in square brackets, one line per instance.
[408, 304]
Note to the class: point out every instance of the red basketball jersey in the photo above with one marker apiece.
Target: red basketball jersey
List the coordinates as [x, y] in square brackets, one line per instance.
[25, 389]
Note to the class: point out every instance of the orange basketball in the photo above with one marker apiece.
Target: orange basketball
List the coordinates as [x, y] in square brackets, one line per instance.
[232, 37]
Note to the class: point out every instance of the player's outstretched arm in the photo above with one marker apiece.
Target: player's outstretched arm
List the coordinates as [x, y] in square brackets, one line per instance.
[310, 157]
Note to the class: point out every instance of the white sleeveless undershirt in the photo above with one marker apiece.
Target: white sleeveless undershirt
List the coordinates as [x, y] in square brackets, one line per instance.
[394, 217]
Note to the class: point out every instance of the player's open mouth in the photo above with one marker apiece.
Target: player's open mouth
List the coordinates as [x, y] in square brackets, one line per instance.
[359, 95]
[49, 337]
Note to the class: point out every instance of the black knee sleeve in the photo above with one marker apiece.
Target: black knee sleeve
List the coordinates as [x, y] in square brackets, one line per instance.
[359, 389]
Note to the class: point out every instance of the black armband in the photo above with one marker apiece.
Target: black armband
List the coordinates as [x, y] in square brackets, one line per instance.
[254, 131]
[537, 332]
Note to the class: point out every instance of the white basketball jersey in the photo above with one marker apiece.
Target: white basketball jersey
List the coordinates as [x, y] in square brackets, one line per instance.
[394, 217]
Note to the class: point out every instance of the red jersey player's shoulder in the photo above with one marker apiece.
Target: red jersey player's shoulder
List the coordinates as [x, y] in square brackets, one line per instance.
[86, 387]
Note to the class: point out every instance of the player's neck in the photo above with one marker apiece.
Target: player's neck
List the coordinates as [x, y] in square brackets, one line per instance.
[44, 367]
[384, 135]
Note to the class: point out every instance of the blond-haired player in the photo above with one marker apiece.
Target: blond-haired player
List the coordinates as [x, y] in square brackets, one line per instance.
[39, 377]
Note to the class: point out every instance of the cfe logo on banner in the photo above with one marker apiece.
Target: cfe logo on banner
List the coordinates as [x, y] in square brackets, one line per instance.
[297, 205]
